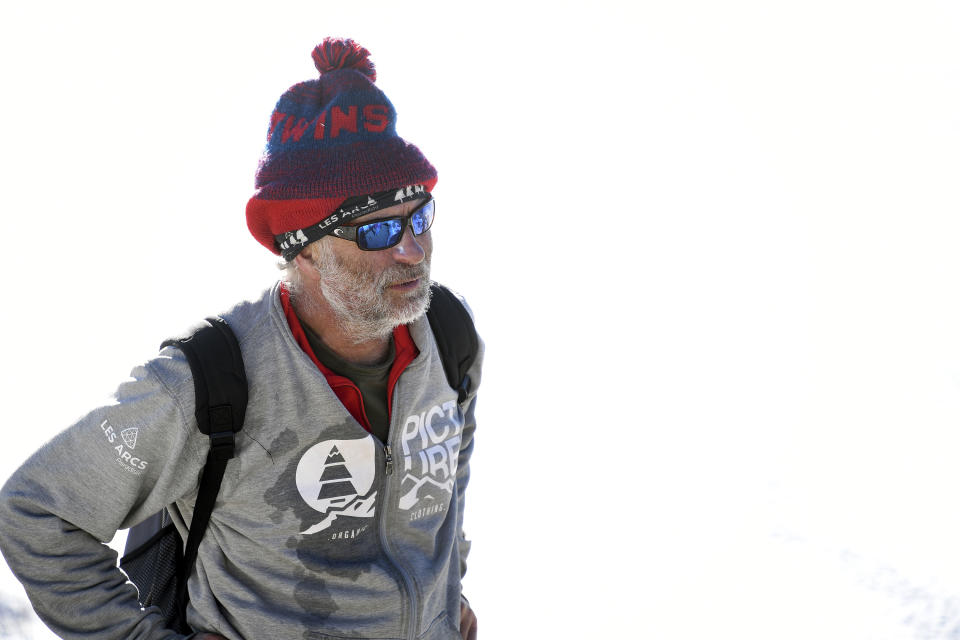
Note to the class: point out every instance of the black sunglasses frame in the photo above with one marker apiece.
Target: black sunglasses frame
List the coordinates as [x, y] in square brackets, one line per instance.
[349, 232]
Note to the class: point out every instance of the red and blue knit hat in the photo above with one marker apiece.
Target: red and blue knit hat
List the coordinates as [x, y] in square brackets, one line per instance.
[330, 139]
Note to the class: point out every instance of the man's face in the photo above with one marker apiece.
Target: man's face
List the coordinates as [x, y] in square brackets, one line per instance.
[373, 292]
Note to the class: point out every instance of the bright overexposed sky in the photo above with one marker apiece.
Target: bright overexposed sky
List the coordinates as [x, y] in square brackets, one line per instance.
[711, 247]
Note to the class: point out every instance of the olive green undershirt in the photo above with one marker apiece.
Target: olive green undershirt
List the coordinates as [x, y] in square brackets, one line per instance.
[371, 380]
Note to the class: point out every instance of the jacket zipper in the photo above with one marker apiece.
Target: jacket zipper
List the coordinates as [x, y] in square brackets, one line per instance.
[411, 588]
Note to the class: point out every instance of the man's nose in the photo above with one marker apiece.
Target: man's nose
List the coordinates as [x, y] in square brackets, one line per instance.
[410, 248]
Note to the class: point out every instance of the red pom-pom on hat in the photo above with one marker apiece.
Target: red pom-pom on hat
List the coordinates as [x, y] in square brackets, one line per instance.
[343, 53]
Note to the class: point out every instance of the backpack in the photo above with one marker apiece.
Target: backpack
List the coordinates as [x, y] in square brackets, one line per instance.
[155, 558]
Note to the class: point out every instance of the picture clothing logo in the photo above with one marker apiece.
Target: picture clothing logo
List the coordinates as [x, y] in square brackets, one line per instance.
[335, 478]
[431, 453]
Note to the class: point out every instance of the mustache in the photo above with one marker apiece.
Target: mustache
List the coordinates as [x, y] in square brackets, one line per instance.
[403, 273]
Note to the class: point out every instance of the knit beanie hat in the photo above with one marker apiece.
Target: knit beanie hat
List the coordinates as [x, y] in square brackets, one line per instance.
[330, 139]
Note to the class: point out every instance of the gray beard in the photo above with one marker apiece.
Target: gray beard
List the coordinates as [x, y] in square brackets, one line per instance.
[359, 299]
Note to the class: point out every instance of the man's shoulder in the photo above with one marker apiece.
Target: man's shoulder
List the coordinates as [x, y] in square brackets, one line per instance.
[254, 306]
[247, 320]
[247, 316]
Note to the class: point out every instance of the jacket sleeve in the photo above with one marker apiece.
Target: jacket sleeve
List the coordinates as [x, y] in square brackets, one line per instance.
[466, 449]
[116, 466]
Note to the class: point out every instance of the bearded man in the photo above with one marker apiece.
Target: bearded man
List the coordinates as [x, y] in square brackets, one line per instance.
[341, 513]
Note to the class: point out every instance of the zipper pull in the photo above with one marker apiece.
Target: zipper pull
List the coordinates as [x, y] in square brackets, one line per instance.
[389, 460]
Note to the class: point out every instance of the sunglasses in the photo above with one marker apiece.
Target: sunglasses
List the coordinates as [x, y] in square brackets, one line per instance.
[386, 233]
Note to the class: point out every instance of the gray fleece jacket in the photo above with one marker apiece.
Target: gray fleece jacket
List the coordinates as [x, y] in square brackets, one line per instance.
[320, 531]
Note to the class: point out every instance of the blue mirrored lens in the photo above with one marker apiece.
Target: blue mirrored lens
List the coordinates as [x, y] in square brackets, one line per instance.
[380, 234]
[423, 218]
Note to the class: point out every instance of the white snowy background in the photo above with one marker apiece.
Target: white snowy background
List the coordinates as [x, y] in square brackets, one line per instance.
[712, 247]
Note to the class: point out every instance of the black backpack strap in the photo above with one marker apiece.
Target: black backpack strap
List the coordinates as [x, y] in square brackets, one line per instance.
[456, 337]
[220, 385]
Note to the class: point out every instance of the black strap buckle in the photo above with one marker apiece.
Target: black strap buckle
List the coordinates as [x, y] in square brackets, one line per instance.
[222, 445]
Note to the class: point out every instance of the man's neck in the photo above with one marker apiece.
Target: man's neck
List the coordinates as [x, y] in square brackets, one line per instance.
[338, 337]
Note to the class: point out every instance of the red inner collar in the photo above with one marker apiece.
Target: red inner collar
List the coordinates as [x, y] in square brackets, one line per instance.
[344, 388]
